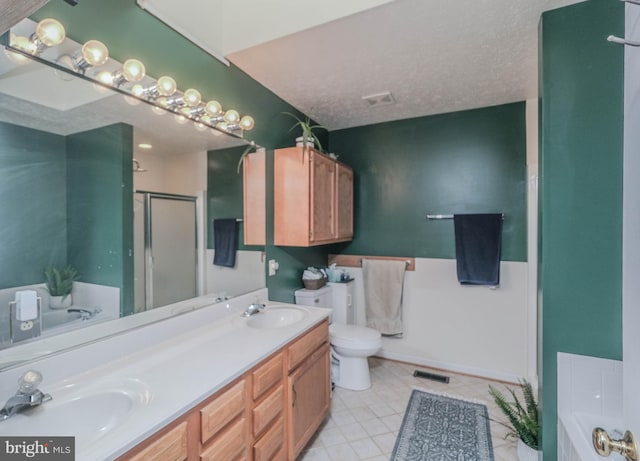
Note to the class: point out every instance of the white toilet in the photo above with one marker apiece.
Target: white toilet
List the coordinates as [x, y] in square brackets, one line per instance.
[350, 344]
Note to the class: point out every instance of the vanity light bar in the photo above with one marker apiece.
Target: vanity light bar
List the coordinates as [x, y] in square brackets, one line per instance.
[163, 93]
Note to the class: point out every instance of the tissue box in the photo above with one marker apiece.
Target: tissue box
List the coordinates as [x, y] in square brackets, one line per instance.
[314, 284]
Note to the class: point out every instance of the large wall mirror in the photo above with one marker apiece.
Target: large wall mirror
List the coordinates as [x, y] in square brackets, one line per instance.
[113, 187]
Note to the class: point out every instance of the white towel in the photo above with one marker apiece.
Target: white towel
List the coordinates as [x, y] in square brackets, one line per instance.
[26, 305]
[383, 282]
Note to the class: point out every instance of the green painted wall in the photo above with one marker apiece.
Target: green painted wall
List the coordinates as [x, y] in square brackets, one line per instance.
[464, 162]
[33, 205]
[580, 192]
[71, 199]
[100, 208]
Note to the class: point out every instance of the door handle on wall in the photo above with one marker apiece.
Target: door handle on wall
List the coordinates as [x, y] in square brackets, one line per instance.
[605, 445]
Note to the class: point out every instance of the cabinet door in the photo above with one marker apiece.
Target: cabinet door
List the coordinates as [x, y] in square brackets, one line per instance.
[291, 218]
[344, 196]
[323, 199]
[254, 188]
[171, 446]
[308, 399]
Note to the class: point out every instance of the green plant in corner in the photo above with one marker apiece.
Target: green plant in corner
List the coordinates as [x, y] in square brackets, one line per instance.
[250, 148]
[60, 280]
[522, 415]
[307, 131]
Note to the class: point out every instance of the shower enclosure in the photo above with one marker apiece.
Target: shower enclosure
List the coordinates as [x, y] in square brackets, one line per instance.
[165, 249]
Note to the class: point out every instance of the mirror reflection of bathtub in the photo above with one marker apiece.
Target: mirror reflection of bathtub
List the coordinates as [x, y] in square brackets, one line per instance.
[86, 296]
[57, 321]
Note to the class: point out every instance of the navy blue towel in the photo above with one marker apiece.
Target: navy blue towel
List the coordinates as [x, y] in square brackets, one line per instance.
[478, 245]
[225, 241]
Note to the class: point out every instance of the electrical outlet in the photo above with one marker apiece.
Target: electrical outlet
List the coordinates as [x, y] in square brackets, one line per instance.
[26, 326]
[273, 267]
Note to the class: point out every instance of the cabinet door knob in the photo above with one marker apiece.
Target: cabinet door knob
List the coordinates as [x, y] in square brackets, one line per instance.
[295, 395]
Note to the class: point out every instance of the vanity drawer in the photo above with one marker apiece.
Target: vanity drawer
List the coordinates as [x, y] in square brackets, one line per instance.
[268, 410]
[172, 446]
[304, 346]
[271, 446]
[222, 410]
[267, 375]
[229, 445]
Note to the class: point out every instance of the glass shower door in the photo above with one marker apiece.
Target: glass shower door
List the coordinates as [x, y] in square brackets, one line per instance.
[170, 249]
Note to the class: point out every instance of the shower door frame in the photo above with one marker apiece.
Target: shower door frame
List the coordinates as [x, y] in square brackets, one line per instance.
[148, 244]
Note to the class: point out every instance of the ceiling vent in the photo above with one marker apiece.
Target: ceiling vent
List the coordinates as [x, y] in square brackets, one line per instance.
[379, 99]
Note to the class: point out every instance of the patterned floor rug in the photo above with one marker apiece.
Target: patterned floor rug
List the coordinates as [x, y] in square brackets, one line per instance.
[441, 428]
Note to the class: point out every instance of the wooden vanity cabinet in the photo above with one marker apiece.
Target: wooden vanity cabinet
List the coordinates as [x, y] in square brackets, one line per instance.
[313, 197]
[267, 414]
[268, 410]
[308, 386]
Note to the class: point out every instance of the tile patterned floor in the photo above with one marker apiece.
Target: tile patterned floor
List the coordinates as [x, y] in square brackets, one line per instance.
[364, 425]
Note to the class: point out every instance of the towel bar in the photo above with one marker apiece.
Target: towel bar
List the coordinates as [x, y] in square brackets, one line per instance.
[445, 216]
[356, 260]
[408, 263]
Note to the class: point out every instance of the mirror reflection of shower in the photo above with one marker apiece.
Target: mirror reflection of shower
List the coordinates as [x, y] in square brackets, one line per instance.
[137, 168]
[165, 249]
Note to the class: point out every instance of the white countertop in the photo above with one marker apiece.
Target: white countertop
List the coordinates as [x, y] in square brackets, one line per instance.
[165, 379]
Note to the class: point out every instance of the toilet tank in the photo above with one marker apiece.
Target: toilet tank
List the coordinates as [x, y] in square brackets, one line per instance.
[317, 298]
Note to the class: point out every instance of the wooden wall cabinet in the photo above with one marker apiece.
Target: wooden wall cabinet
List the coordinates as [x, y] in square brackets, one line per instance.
[254, 197]
[313, 197]
[268, 414]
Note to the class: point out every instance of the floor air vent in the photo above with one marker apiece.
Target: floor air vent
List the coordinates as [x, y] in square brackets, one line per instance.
[431, 376]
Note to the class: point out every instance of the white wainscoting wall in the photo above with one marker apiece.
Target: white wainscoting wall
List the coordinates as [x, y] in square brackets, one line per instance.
[468, 329]
[247, 275]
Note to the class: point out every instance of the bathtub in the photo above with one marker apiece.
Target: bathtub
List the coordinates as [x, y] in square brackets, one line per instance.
[574, 436]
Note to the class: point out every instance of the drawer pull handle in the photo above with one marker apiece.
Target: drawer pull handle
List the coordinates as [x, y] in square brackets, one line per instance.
[295, 395]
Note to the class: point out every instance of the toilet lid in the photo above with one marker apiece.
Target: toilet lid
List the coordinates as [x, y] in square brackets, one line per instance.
[352, 333]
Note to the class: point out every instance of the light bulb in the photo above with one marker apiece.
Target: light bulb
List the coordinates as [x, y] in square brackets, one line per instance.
[138, 90]
[22, 43]
[158, 110]
[192, 97]
[50, 32]
[222, 126]
[247, 123]
[105, 77]
[95, 53]
[131, 100]
[181, 119]
[213, 108]
[231, 117]
[166, 86]
[133, 70]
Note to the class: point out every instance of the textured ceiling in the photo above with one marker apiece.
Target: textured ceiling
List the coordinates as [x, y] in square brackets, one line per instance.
[434, 56]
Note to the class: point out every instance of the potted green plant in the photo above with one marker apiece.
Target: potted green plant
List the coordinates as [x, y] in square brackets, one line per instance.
[308, 135]
[523, 419]
[250, 148]
[59, 281]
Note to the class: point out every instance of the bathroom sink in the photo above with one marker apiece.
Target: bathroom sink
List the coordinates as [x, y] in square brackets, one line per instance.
[86, 417]
[86, 412]
[276, 317]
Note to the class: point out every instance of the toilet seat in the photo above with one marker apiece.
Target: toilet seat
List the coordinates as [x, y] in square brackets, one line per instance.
[354, 336]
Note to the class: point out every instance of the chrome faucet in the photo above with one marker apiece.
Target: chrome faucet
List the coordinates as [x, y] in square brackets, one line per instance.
[85, 314]
[253, 309]
[28, 395]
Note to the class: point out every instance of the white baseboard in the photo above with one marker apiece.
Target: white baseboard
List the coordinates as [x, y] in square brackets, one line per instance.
[453, 367]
